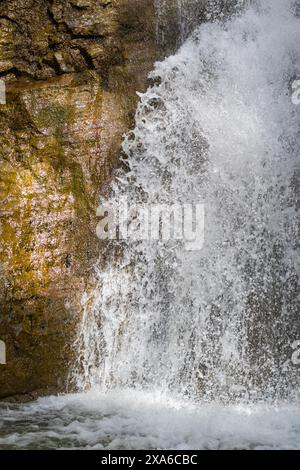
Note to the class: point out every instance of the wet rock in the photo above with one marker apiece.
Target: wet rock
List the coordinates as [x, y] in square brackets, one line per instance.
[86, 18]
[48, 143]
[6, 44]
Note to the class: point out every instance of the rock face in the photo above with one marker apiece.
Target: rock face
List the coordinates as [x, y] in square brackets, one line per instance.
[71, 69]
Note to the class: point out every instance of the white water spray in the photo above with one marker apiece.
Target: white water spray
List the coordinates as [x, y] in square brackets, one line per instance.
[220, 127]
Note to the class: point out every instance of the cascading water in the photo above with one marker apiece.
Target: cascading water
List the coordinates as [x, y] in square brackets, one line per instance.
[169, 334]
[189, 14]
[219, 127]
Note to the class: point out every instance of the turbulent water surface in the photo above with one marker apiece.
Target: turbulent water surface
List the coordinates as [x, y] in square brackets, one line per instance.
[194, 349]
[138, 420]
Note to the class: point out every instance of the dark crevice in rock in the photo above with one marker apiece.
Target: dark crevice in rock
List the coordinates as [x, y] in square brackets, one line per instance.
[88, 59]
[104, 6]
[15, 71]
[90, 37]
[54, 65]
[11, 20]
[79, 7]
[52, 18]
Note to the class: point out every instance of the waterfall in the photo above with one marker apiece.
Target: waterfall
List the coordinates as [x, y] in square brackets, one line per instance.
[218, 126]
[183, 17]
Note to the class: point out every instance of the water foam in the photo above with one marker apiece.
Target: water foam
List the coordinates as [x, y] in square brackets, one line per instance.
[123, 419]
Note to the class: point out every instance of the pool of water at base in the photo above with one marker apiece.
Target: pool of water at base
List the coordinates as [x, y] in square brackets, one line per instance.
[130, 419]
